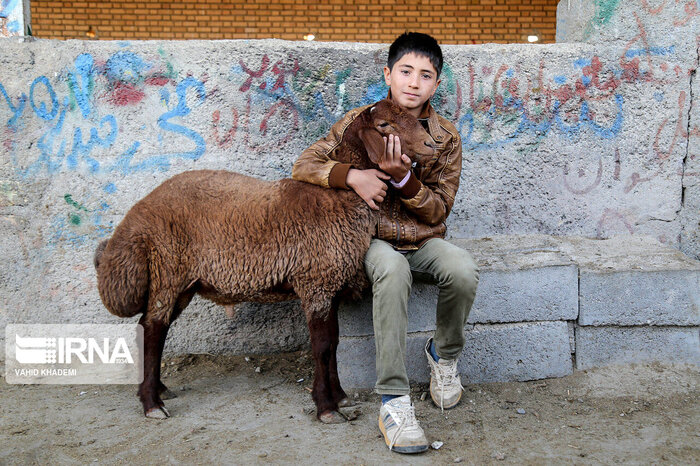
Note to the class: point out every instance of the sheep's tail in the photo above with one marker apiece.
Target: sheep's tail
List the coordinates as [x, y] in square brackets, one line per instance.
[122, 277]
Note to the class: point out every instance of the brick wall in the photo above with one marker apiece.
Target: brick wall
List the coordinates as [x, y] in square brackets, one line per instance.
[450, 21]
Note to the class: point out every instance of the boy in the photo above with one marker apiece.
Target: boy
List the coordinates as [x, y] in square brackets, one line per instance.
[409, 239]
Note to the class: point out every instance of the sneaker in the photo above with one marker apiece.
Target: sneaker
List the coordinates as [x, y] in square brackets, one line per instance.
[397, 421]
[445, 383]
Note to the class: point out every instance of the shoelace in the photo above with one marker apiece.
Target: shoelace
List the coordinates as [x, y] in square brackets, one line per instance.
[406, 418]
[443, 373]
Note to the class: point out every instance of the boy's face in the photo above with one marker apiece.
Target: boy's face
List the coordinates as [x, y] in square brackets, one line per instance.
[413, 80]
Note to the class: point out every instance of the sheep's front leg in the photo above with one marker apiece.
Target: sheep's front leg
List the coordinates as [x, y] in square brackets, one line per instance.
[319, 317]
[154, 334]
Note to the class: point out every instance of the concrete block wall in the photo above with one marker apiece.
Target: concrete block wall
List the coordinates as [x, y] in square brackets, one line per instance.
[592, 139]
[548, 305]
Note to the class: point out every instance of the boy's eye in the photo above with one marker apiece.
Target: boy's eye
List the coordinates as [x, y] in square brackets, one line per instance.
[426, 76]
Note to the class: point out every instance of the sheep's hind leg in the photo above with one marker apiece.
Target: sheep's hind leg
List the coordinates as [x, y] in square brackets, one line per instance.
[337, 392]
[182, 302]
[319, 317]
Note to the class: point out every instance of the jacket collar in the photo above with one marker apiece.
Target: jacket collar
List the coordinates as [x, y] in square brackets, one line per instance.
[429, 114]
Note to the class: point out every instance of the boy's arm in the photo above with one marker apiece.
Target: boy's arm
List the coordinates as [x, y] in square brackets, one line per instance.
[316, 165]
[431, 200]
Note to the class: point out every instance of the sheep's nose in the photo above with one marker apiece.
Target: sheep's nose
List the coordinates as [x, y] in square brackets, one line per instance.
[430, 144]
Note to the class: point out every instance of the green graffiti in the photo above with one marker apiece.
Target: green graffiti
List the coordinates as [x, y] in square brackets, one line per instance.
[171, 70]
[75, 218]
[604, 10]
[69, 200]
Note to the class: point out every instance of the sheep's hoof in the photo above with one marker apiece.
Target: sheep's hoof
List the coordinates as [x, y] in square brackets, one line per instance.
[346, 403]
[158, 413]
[168, 394]
[331, 417]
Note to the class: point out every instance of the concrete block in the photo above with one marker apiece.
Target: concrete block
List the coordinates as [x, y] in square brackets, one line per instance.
[355, 318]
[534, 294]
[602, 346]
[500, 352]
[668, 297]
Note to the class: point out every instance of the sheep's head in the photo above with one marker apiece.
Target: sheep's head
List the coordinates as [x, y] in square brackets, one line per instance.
[385, 118]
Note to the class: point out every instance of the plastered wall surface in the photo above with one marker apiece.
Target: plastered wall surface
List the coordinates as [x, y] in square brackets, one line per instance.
[592, 139]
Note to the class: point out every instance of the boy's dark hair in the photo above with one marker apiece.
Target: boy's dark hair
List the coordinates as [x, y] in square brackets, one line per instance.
[418, 43]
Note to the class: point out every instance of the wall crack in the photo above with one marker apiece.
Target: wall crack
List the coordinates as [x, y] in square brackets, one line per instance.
[692, 74]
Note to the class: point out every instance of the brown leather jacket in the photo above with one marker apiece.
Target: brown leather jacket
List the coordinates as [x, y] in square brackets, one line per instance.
[414, 214]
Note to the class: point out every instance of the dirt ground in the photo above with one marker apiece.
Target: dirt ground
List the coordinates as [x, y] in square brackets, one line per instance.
[228, 411]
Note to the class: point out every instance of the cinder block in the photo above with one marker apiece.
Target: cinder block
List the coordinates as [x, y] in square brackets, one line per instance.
[500, 352]
[602, 346]
[516, 352]
[528, 295]
[662, 297]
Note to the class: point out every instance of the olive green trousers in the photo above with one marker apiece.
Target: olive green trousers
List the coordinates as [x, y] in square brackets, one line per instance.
[391, 274]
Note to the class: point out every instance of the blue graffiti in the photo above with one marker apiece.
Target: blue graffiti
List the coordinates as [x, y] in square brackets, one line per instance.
[7, 7]
[651, 51]
[58, 151]
[83, 149]
[16, 110]
[41, 111]
[125, 66]
[84, 67]
[45, 146]
[582, 62]
[527, 125]
[585, 121]
[182, 110]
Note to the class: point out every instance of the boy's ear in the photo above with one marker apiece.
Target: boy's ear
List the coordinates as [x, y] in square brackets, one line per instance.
[374, 143]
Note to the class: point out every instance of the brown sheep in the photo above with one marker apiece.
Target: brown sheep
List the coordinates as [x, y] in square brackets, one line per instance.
[232, 238]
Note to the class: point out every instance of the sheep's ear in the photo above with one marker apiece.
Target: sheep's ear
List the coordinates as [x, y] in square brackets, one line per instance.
[374, 143]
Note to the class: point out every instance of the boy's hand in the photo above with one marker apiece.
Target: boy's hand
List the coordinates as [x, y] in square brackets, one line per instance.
[394, 162]
[368, 184]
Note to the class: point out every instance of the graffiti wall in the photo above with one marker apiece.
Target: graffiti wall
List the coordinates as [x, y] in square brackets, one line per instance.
[648, 33]
[593, 139]
[14, 17]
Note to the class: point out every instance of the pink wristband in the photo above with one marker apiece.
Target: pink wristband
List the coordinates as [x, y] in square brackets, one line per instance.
[403, 182]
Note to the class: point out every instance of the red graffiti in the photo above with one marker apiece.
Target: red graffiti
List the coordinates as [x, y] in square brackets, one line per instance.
[541, 101]
[581, 173]
[680, 130]
[123, 94]
[278, 69]
[609, 218]
[254, 74]
[157, 80]
[281, 72]
[227, 140]
[690, 10]
[285, 113]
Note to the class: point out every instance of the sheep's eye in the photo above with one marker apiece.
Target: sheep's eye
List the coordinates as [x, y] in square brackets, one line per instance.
[383, 125]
